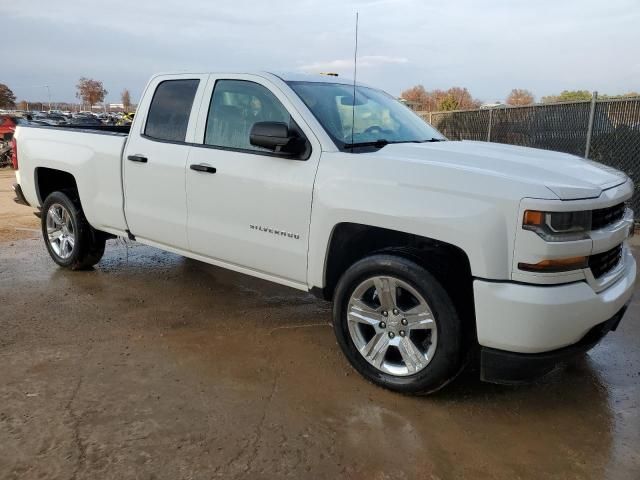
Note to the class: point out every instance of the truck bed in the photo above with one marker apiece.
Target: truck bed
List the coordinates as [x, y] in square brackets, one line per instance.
[93, 156]
[107, 129]
[122, 129]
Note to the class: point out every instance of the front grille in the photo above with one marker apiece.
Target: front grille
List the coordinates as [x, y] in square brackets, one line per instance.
[601, 263]
[605, 216]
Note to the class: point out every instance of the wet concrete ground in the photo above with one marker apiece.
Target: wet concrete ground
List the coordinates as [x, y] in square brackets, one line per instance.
[154, 366]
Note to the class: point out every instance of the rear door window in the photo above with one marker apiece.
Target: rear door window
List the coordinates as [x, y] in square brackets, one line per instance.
[170, 109]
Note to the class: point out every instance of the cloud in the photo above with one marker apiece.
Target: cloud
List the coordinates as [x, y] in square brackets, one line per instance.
[366, 61]
[126, 41]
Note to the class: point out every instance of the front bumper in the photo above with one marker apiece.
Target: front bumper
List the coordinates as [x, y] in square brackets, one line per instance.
[524, 330]
[527, 318]
[498, 366]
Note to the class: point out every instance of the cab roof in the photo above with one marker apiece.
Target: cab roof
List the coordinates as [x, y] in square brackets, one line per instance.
[287, 76]
[312, 77]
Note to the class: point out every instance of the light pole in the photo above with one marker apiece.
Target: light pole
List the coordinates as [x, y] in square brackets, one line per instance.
[49, 94]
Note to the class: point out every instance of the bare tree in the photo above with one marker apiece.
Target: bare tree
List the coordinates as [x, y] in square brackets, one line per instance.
[416, 97]
[520, 96]
[126, 99]
[455, 98]
[462, 98]
[90, 91]
[7, 98]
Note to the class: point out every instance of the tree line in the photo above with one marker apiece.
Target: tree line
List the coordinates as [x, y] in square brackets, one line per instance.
[89, 91]
[92, 92]
[458, 98]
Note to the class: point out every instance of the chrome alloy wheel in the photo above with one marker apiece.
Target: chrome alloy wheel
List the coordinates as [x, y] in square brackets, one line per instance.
[392, 326]
[60, 233]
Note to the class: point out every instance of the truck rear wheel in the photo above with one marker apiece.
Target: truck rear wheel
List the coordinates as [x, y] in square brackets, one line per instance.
[397, 325]
[72, 243]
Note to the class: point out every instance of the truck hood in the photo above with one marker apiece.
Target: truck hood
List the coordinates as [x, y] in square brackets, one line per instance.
[569, 177]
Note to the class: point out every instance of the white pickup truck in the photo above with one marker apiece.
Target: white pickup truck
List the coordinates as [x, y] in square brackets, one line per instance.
[431, 250]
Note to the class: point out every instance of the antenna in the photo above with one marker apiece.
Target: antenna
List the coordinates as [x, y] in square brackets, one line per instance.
[355, 72]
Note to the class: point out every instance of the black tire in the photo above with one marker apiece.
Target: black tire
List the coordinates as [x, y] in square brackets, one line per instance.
[450, 353]
[89, 243]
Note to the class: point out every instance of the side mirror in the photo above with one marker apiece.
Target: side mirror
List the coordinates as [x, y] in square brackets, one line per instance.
[277, 137]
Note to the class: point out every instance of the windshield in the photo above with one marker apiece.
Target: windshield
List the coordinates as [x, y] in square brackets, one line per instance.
[376, 118]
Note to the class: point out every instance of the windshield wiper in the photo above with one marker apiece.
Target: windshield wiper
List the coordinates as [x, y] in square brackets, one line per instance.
[377, 143]
[382, 142]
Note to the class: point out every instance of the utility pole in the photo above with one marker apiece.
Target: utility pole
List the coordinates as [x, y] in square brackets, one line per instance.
[49, 94]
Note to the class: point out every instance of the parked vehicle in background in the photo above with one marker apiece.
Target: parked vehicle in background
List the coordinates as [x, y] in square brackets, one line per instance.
[57, 117]
[125, 119]
[5, 154]
[43, 118]
[7, 127]
[87, 120]
[430, 249]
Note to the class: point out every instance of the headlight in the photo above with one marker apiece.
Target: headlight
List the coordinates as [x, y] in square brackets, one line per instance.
[558, 226]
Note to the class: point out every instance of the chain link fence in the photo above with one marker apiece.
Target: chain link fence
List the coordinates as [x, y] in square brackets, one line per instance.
[607, 131]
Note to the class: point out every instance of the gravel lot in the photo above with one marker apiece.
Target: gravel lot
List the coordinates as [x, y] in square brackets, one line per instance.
[154, 366]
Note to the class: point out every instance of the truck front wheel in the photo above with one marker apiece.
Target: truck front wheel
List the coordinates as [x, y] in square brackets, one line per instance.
[72, 243]
[397, 325]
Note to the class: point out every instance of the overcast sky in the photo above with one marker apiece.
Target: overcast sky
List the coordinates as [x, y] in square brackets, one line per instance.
[487, 46]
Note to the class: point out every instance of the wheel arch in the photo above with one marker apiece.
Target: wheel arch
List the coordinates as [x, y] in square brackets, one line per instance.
[350, 242]
[48, 180]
